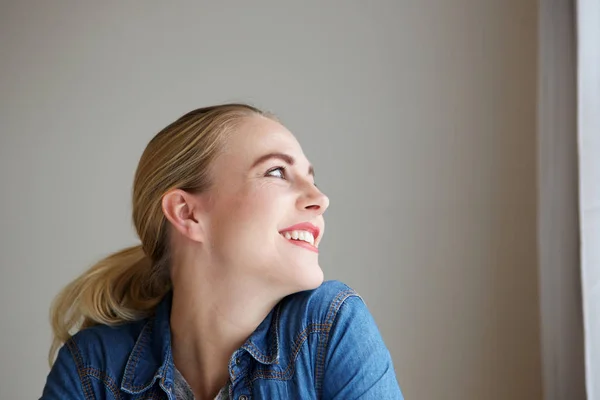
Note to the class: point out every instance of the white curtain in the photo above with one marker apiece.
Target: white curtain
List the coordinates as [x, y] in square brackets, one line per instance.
[588, 119]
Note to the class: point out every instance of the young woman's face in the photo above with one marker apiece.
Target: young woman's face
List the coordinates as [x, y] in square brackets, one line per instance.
[266, 214]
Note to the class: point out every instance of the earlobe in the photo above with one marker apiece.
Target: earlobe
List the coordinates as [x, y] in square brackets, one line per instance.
[180, 208]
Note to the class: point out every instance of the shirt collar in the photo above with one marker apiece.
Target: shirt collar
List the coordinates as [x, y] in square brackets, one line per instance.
[151, 359]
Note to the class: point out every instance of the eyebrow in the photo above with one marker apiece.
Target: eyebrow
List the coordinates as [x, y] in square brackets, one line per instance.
[281, 156]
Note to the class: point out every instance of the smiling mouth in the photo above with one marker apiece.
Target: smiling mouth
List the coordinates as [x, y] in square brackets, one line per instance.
[301, 238]
[305, 235]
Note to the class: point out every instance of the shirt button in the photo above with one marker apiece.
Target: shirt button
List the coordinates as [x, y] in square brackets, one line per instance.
[238, 362]
[243, 397]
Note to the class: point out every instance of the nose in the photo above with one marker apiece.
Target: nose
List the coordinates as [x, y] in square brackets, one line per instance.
[313, 199]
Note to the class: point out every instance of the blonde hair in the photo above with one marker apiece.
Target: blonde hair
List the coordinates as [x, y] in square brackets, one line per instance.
[128, 285]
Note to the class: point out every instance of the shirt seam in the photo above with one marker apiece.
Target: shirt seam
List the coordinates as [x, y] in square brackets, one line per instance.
[84, 379]
[132, 363]
[323, 341]
[106, 379]
[289, 371]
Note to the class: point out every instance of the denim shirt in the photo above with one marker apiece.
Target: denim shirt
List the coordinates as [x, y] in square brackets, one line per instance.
[317, 344]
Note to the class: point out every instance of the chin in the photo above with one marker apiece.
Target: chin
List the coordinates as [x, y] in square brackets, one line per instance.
[311, 278]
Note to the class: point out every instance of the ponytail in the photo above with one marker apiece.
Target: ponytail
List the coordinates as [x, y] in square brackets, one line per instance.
[122, 287]
[128, 285]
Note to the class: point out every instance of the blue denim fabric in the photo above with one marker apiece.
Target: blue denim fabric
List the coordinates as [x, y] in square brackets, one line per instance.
[318, 344]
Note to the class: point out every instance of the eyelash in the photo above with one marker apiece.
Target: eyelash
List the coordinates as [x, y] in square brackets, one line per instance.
[283, 173]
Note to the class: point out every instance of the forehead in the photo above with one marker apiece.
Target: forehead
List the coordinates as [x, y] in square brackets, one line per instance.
[258, 135]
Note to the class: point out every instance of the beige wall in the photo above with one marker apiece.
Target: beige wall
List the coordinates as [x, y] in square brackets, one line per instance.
[420, 117]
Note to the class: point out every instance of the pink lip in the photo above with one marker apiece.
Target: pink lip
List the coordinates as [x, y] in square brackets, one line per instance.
[304, 226]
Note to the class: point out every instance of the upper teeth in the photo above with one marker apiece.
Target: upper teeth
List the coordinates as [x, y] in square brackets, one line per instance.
[300, 235]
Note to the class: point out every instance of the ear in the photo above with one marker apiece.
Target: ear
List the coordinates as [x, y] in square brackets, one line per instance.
[184, 211]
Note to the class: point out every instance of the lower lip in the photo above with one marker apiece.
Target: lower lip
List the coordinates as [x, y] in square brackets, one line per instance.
[304, 244]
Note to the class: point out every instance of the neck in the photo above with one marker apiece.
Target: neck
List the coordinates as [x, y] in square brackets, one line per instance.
[212, 315]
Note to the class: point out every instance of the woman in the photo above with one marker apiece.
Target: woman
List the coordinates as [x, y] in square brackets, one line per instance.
[225, 297]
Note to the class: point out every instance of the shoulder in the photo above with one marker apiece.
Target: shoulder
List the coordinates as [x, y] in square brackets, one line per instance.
[92, 362]
[103, 347]
[322, 305]
[109, 338]
[345, 350]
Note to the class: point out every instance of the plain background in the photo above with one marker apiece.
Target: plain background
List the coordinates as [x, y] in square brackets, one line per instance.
[420, 119]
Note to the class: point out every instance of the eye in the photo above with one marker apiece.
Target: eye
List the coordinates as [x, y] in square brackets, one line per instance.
[277, 172]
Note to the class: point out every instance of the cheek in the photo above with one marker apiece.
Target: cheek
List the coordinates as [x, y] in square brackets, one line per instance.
[262, 203]
[254, 208]
[251, 215]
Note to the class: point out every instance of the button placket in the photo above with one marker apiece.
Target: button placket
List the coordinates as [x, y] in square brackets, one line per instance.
[236, 367]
